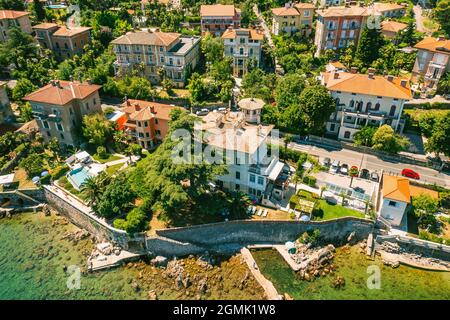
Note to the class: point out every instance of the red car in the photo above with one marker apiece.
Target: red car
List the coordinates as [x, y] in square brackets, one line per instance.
[410, 174]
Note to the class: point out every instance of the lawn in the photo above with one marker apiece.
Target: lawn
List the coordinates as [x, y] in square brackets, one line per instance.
[113, 169]
[105, 160]
[327, 211]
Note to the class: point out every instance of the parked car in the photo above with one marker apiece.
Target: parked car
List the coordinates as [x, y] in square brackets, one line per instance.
[344, 169]
[202, 112]
[365, 174]
[334, 168]
[222, 110]
[326, 162]
[374, 176]
[409, 173]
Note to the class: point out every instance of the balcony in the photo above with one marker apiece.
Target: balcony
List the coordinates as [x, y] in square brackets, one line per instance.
[122, 63]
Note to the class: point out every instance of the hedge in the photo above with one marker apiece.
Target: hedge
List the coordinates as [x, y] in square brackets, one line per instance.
[59, 171]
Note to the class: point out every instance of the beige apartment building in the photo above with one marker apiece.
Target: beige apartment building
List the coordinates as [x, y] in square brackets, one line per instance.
[5, 107]
[243, 45]
[153, 51]
[432, 61]
[293, 18]
[216, 18]
[11, 18]
[59, 108]
[65, 42]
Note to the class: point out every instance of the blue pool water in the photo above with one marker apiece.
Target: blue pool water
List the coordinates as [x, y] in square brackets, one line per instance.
[78, 176]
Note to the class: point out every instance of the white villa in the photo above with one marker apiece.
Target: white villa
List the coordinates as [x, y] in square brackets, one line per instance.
[364, 99]
[250, 168]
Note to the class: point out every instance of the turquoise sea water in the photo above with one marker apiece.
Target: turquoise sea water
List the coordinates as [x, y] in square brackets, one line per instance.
[33, 255]
[400, 283]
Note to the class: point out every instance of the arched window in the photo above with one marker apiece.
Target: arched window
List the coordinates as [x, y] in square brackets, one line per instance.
[359, 106]
[368, 106]
[337, 101]
[351, 104]
[392, 111]
[347, 135]
[377, 106]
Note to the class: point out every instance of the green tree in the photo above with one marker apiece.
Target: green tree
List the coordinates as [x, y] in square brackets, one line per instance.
[26, 112]
[12, 5]
[364, 136]
[442, 14]
[238, 203]
[116, 198]
[38, 10]
[288, 90]
[385, 139]
[33, 164]
[369, 45]
[22, 88]
[425, 207]
[197, 89]
[135, 221]
[439, 142]
[212, 48]
[96, 129]
[443, 86]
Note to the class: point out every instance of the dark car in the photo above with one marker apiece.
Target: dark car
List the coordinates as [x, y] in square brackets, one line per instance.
[326, 162]
[365, 174]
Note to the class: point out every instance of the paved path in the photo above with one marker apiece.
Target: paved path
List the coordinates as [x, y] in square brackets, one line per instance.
[371, 162]
[269, 289]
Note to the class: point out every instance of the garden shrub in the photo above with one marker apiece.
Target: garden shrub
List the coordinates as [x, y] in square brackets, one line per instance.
[101, 152]
[59, 171]
[310, 181]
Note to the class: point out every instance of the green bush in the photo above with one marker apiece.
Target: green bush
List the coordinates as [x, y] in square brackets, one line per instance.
[59, 171]
[101, 152]
[46, 179]
[20, 148]
[310, 181]
[135, 221]
[425, 235]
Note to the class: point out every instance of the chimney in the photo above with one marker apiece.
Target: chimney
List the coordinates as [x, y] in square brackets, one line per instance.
[353, 70]
[371, 72]
[152, 109]
[403, 83]
[89, 81]
[58, 84]
[390, 78]
[336, 75]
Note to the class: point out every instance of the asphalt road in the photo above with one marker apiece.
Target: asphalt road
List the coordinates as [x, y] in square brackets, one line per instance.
[371, 162]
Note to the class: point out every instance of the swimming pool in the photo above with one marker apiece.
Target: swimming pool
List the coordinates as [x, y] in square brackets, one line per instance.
[78, 176]
[57, 6]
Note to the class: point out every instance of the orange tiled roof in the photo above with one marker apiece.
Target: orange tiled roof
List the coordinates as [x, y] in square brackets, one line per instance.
[361, 83]
[217, 10]
[45, 25]
[434, 45]
[253, 33]
[285, 11]
[396, 188]
[63, 31]
[304, 6]
[393, 26]
[386, 6]
[62, 94]
[344, 11]
[156, 38]
[141, 110]
[12, 14]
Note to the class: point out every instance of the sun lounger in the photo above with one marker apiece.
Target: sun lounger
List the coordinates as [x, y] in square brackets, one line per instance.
[249, 209]
[259, 211]
[253, 210]
[265, 213]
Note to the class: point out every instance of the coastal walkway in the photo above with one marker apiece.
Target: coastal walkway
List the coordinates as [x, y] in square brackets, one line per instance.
[105, 262]
[282, 251]
[269, 289]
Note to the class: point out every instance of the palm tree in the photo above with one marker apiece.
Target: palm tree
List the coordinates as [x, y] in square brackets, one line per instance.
[91, 189]
[288, 138]
[296, 179]
[238, 203]
[322, 190]
[343, 196]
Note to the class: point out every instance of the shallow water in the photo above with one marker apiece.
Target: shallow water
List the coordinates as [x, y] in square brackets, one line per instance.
[33, 256]
[400, 283]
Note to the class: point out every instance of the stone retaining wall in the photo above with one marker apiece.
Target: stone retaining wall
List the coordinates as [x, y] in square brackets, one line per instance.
[241, 233]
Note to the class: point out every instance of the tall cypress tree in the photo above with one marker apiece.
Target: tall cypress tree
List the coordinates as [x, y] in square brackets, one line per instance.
[369, 45]
[39, 11]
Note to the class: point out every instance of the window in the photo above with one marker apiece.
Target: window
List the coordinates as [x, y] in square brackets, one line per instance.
[147, 134]
[158, 132]
[241, 51]
[45, 124]
[87, 105]
[145, 123]
[252, 178]
[62, 136]
[351, 104]
[238, 175]
[162, 59]
[242, 40]
[237, 187]
[261, 180]
[139, 123]
[48, 134]
[347, 135]
[95, 101]
[156, 121]
[332, 127]
[251, 51]
[231, 50]
[60, 127]
[392, 203]
[392, 111]
[377, 106]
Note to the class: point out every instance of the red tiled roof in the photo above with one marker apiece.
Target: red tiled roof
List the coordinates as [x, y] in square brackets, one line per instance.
[62, 94]
[12, 14]
[141, 110]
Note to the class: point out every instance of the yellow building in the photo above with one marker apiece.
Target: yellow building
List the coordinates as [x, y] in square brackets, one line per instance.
[293, 18]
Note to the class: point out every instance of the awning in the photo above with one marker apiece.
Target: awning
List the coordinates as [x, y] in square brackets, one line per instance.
[82, 155]
[7, 178]
[276, 171]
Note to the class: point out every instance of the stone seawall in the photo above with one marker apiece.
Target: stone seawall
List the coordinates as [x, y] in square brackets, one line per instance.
[81, 217]
[235, 234]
